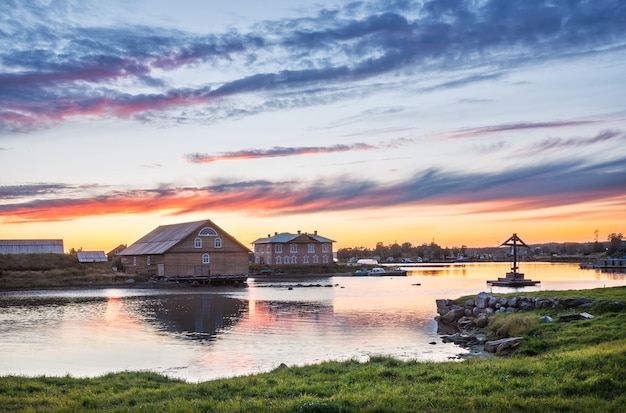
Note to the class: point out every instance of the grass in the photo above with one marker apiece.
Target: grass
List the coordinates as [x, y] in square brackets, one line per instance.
[33, 271]
[561, 367]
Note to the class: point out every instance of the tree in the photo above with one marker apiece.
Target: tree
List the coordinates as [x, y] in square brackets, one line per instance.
[615, 245]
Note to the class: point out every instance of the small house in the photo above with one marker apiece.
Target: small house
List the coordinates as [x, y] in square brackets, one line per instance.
[199, 249]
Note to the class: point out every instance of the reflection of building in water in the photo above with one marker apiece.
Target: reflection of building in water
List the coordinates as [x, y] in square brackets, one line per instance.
[200, 316]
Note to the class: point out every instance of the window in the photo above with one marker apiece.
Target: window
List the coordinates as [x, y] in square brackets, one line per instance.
[148, 260]
[197, 243]
[293, 248]
[311, 248]
[316, 259]
[207, 232]
[218, 243]
[135, 261]
[325, 248]
[305, 259]
[268, 260]
[294, 259]
[279, 260]
[325, 259]
[206, 259]
[278, 248]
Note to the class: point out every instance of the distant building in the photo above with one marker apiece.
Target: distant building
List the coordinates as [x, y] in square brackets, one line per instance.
[31, 246]
[115, 251]
[198, 248]
[293, 249]
[91, 256]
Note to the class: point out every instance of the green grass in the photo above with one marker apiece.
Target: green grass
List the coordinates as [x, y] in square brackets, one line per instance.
[562, 367]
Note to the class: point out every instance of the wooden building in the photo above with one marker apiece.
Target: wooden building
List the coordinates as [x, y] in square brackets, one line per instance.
[31, 246]
[192, 249]
[293, 249]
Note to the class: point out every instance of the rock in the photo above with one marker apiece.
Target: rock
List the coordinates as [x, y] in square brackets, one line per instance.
[586, 316]
[482, 321]
[482, 299]
[546, 319]
[569, 317]
[505, 344]
[492, 302]
[465, 322]
[454, 314]
[575, 302]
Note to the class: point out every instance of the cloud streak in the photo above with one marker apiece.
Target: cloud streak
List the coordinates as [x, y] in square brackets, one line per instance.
[279, 151]
[527, 188]
[54, 71]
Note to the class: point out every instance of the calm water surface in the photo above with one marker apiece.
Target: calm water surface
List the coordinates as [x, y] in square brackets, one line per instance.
[207, 333]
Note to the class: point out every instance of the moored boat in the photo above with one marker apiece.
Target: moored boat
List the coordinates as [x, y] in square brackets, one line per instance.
[387, 271]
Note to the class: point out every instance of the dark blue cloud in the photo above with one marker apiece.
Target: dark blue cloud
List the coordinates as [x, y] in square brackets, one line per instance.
[54, 70]
[542, 185]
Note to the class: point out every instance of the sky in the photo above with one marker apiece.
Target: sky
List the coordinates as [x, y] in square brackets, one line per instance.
[458, 122]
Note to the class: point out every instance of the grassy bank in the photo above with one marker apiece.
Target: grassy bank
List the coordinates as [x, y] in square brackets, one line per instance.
[574, 366]
[35, 271]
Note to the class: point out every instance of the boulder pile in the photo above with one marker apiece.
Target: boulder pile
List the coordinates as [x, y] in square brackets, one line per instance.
[475, 311]
[473, 315]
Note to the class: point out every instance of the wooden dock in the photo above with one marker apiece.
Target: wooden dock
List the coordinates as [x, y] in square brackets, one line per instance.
[217, 279]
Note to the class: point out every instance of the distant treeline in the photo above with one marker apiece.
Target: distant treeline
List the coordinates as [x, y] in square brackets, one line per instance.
[615, 246]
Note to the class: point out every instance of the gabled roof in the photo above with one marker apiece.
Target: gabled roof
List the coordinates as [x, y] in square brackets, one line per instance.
[165, 237]
[91, 256]
[31, 246]
[286, 237]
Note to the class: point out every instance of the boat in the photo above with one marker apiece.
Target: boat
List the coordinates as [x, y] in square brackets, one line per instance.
[360, 273]
[387, 271]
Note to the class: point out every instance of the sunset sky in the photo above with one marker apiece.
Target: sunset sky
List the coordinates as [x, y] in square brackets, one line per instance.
[458, 122]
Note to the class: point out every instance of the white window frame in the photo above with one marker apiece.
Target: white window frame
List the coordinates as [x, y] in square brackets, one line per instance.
[207, 232]
[325, 259]
[148, 260]
[311, 249]
[305, 259]
[134, 261]
[294, 259]
[293, 248]
[197, 243]
[217, 243]
[325, 248]
[206, 258]
[316, 259]
[278, 248]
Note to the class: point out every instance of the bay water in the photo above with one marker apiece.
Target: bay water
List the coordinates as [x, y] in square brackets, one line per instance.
[204, 333]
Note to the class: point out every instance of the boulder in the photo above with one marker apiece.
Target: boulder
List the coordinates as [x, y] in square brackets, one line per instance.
[482, 300]
[502, 345]
[482, 321]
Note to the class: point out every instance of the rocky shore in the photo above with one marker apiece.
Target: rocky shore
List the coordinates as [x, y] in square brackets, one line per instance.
[464, 324]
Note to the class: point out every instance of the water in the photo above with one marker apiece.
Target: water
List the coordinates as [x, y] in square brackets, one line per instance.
[207, 333]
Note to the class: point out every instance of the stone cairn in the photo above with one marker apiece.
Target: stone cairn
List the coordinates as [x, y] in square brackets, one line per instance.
[462, 323]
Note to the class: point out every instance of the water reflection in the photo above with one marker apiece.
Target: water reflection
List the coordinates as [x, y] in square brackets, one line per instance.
[196, 316]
